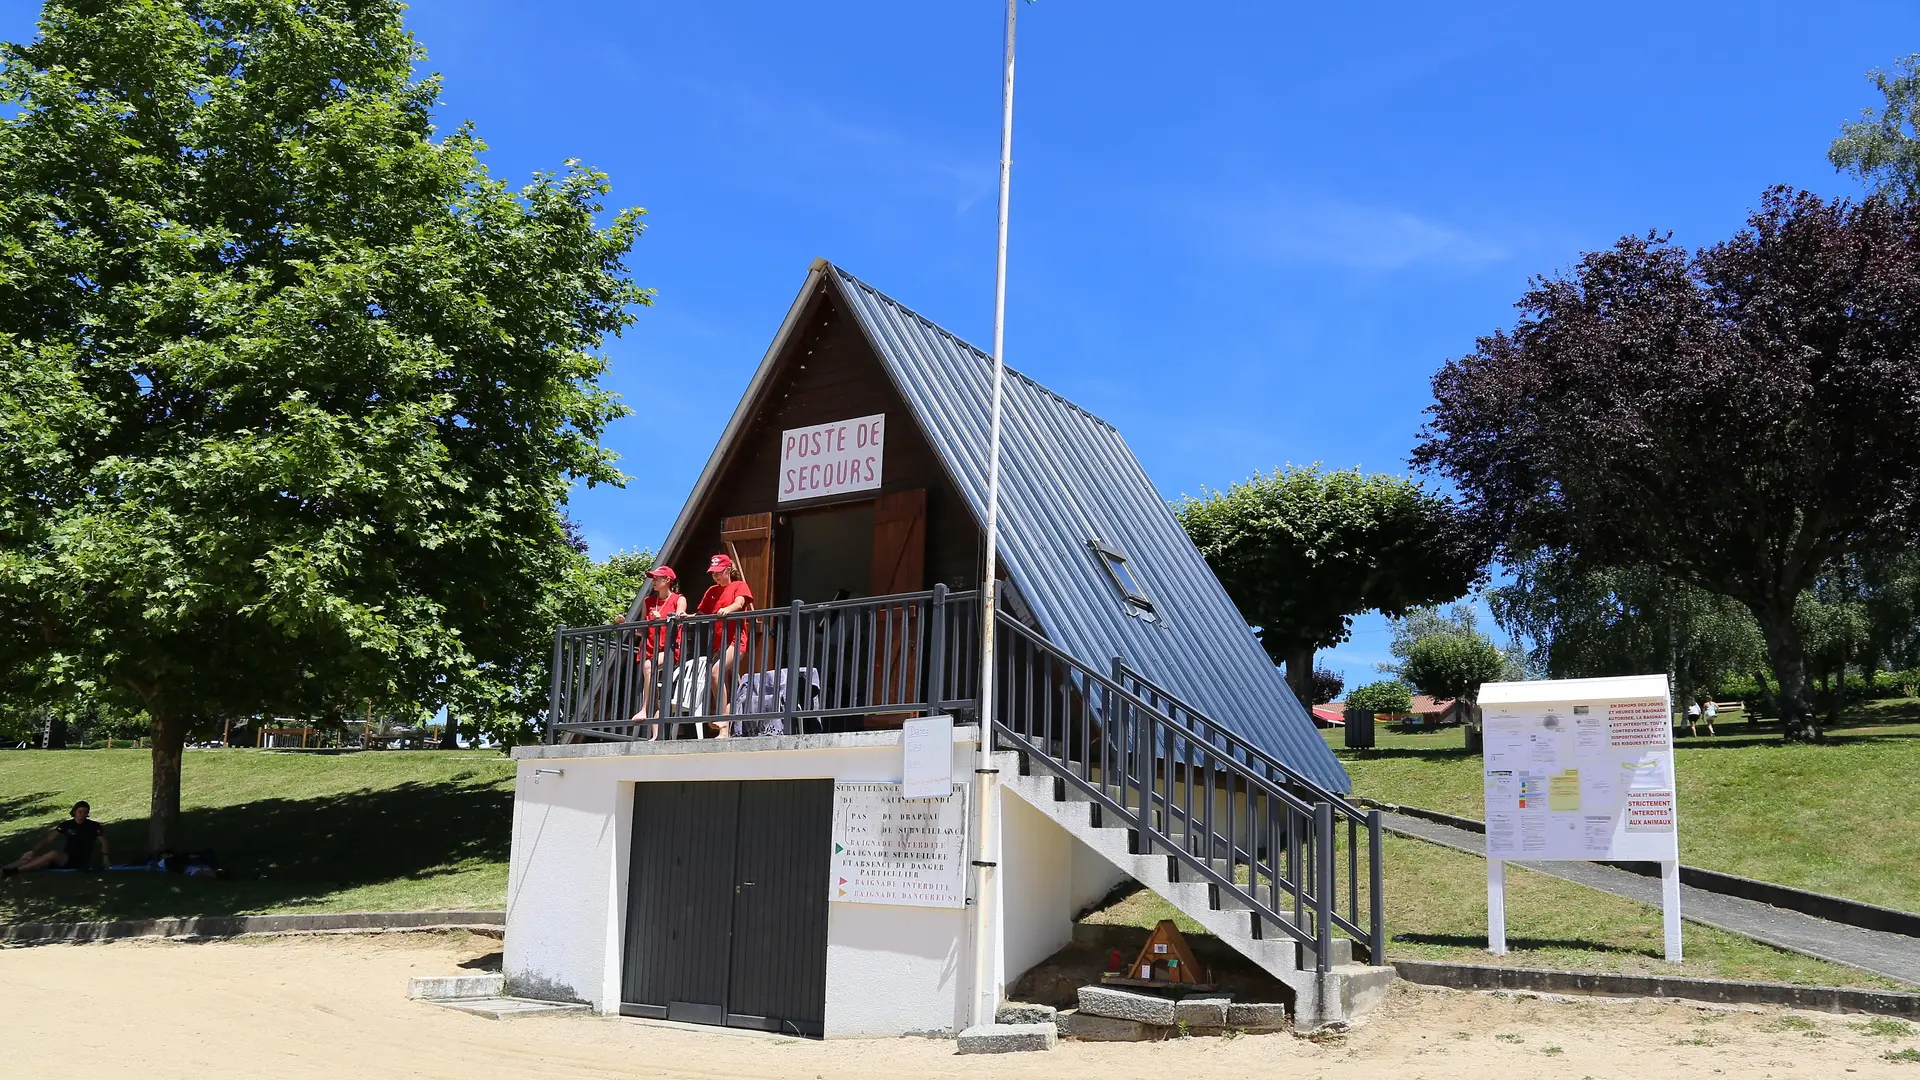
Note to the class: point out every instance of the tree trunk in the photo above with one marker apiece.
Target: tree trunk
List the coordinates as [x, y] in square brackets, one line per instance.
[1798, 721]
[1300, 675]
[450, 735]
[163, 814]
[56, 732]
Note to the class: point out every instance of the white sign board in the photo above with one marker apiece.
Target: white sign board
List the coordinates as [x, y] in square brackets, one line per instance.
[831, 459]
[926, 757]
[1579, 769]
[889, 849]
[1586, 780]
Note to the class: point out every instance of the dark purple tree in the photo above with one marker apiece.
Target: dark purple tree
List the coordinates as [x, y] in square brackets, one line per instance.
[1734, 417]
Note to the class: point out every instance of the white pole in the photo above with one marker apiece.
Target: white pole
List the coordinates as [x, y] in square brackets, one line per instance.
[986, 787]
[1670, 907]
[1497, 907]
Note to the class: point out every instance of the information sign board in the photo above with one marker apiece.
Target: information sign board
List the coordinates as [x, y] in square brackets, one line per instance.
[1580, 769]
[890, 849]
[1580, 780]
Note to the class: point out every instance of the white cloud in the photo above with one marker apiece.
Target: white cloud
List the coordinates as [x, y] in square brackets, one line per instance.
[1329, 230]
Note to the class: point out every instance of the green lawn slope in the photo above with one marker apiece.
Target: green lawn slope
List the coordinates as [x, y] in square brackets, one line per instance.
[392, 831]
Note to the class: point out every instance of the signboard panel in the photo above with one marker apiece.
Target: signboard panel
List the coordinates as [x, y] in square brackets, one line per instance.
[1588, 780]
[832, 459]
[926, 757]
[890, 849]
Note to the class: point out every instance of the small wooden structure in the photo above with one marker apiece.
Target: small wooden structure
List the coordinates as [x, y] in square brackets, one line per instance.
[1164, 962]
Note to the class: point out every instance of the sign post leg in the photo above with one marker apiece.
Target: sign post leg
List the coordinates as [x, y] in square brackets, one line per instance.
[1497, 907]
[1670, 908]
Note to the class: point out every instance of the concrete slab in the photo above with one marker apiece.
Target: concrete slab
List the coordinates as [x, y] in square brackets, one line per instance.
[511, 1008]
[1121, 1004]
[1007, 1038]
[454, 987]
[1256, 1016]
[1202, 1012]
[1020, 1012]
[1087, 1027]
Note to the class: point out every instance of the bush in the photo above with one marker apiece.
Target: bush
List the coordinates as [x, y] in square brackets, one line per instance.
[1388, 696]
[1327, 684]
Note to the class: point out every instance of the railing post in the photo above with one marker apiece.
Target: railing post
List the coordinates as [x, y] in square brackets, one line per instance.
[1376, 886]
[553, 697]
[792, 724]
[937, 647]
[1323, 886]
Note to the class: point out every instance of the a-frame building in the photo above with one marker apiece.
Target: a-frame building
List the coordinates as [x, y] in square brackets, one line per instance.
[792, 875]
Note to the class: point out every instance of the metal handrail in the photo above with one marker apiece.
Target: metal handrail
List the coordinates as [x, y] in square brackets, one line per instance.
[1125, 673]
[1137, 762]
[1356, 816]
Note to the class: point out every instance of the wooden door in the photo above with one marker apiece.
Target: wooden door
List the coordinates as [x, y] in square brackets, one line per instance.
[749, 538]
[899, 566]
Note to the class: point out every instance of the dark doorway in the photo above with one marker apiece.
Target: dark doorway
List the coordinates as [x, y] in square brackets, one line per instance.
[727, 903]
[831, 553]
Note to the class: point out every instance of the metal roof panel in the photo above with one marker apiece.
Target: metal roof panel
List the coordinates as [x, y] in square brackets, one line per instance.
[1068, 479]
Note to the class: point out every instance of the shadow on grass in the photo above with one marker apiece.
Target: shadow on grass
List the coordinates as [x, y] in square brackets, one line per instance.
[1426, 753]
[1479, 941]
[279, 853]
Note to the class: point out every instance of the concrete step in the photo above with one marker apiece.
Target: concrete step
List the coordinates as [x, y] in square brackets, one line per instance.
[457, 987]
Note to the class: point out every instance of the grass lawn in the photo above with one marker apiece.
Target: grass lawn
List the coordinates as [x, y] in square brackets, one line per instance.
[1437, 910]
[390, 831]
[1836, 818]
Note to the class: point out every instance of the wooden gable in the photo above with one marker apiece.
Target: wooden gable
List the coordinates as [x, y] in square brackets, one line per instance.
[923, 531]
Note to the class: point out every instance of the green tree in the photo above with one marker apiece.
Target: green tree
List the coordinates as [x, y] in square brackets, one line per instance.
[1302, 551]
[1388, 696]
[1453, 665]
[1585, 430]
[1581, 622]
[502, 701]
[1455, 620]
[1882, 148]
[291, 389]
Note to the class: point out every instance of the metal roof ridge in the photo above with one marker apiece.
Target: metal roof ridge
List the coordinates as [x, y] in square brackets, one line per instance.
[970, 347]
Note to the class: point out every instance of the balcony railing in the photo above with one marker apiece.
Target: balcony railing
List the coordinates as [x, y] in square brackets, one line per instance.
[788, 670]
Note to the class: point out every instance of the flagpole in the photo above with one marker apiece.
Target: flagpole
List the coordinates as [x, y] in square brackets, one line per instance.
[986, 780]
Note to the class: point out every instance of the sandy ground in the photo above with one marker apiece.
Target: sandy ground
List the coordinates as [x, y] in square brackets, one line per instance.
[335, 1007]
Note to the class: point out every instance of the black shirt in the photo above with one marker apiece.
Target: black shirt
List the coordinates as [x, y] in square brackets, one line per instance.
[80, 839]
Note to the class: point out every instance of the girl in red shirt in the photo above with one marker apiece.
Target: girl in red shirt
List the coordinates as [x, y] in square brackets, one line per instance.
[663, 601]
[728, 594]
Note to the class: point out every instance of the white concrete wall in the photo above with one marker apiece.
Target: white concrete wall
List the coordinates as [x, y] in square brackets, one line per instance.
[1035, 875]
[1093, 875]
[891, 970]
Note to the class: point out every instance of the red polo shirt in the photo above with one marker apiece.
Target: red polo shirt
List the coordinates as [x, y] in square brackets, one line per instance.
[719, 596]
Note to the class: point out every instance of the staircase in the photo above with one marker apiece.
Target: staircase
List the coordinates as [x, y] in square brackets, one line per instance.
[1261, 857]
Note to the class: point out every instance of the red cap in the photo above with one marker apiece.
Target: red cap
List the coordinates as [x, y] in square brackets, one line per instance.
[663, 571]
[719, 563]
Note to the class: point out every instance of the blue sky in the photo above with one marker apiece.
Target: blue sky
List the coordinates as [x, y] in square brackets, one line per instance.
[1245, 233]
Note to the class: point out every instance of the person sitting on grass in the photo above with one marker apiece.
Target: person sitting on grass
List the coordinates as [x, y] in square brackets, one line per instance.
[81, 833]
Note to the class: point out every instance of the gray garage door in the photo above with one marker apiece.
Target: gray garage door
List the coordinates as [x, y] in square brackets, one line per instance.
[727, 903]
